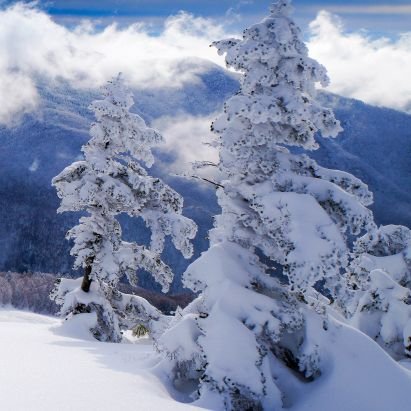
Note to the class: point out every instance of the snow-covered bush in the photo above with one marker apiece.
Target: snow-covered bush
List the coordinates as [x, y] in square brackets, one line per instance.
[384, 314]
[112, 180]
[378, 294]
[282, 230]
[387, 248]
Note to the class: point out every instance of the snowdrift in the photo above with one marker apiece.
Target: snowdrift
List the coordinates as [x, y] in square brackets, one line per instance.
[47, 366]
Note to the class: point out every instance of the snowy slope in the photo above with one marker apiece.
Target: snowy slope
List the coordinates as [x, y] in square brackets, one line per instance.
[47, 367]
[44, 371]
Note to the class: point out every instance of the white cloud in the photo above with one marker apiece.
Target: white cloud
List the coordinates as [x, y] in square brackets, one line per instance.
[376, 71]
[33, 45]
[185, 137]
[18, 95]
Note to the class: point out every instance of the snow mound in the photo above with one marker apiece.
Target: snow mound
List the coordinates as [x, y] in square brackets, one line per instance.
[357, 376]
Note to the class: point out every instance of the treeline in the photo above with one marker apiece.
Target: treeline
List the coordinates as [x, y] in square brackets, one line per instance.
[30, 291]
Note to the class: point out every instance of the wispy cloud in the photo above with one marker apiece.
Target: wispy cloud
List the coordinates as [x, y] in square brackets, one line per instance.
[186, 137]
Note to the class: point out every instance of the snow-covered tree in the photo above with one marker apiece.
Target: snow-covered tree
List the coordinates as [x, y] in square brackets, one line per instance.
[281, 213]
[378, 291]
[387, 248]
[109, 181]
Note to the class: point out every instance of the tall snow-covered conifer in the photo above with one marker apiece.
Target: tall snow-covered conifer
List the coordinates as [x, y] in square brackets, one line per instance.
[280, 210]
[109, 181]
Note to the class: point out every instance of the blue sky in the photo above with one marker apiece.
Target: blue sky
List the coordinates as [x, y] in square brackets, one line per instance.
[385, 16]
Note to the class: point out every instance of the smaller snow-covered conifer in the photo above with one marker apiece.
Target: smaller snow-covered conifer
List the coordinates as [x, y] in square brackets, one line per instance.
[109, 181]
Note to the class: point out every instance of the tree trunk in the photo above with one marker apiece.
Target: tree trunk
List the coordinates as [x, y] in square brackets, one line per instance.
[85, 285]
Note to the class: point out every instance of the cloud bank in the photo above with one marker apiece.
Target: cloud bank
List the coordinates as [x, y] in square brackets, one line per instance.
[33, 46]
[376, 71]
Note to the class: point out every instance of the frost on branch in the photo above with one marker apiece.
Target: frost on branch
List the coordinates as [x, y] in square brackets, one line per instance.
[112, 180]
[283, 229]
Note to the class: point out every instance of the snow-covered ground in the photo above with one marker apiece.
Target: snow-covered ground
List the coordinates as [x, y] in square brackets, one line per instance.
[43, 370]
[358, 376]
[44, 366]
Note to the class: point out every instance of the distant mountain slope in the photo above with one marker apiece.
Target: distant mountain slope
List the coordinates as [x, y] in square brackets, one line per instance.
[375, 146]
